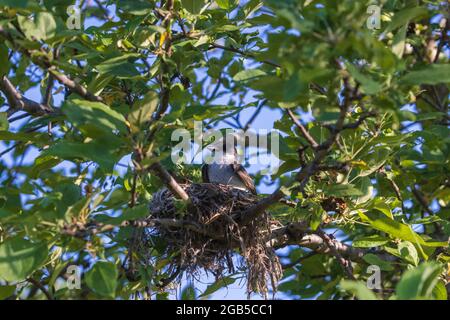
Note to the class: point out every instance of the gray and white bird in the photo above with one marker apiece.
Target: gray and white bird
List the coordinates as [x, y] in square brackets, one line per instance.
[225, 169]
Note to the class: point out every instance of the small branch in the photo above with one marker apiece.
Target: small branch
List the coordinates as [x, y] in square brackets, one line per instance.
[74, 86]
[258, 208]
[10, 148]
[361, 119]
[339, 167]
[443, 40]
[214, 92]
[169, 181]
[50, 82]
[421, 199]
[48, 91]
[105, 12]
[41, 287]
[21, 142]
[302, 129]
[254, 115]
[313, 85]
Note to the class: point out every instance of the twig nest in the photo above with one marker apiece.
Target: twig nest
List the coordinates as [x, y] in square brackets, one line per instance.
[210, 232]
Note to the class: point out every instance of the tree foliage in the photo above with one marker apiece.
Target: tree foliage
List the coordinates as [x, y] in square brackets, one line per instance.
[372, 164]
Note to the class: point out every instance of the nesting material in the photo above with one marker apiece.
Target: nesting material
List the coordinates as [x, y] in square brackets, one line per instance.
[211, 232]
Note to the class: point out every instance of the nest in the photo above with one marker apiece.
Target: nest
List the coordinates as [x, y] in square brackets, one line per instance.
[211, 232]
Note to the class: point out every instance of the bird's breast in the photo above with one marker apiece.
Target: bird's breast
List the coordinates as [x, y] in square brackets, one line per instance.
[224, 174]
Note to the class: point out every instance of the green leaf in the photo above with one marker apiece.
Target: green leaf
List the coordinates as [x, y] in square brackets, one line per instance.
[248, 74]
[375, 161]
[373, 259]
[144, 109]
[23, 4]
[418, 283]
[408, 252]
[359, 289]
[41, 26]
[402, 17]
[188, 293]
[399, 41]
[370, 241]
[102, 279]
[341, 190]
[119, 67]
[6, 291]
[20, 257]
[4, 60]
[440, 291]
[36, 137]
[431, 74]
[43, 163]
[381, 222]
[193, 6]
[201, 112]
[4, 124]
[226, 4]
[368, 85]
[98, 152]
[219, 284]
[364, 185]
[94, 119]
[135, 7]
[380, 205]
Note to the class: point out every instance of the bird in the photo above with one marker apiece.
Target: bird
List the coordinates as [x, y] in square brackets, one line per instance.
[225, 169]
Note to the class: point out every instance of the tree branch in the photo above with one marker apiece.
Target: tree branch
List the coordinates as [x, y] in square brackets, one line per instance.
[302, 129]
[307, 172]
[169, 181]
[74, 86]
[298, 233]
[62, 78]
[83, 230]
[361, 119]
[18, 102]
[332, 244]
[41, 287]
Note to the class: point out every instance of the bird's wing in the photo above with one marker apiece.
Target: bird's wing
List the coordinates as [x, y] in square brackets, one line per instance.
[205, 177]
[244, 177]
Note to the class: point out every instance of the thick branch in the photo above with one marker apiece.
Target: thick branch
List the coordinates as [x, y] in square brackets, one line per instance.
[298, 233]
[18, 102]
[169, 181]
